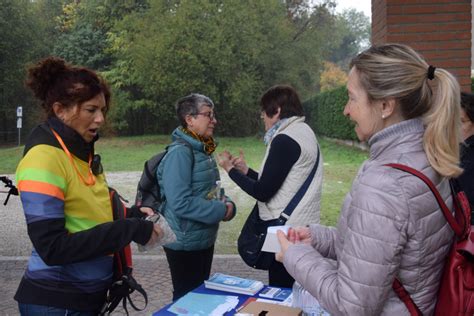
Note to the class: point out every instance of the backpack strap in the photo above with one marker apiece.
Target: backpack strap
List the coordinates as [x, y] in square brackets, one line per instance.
[404, 296]
[123, 257]
[187, 144]
[459, 229]
[124, 283]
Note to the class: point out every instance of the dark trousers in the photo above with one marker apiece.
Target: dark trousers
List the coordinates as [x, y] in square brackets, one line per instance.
[278, 276]
[188, 269]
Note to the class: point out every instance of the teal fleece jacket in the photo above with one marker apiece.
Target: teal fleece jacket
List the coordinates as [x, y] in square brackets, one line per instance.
[188, 189]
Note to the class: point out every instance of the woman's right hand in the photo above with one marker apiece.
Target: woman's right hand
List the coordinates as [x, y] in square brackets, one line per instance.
[239, 163]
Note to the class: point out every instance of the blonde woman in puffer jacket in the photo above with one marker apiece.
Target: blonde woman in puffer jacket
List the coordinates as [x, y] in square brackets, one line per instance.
[390, 224]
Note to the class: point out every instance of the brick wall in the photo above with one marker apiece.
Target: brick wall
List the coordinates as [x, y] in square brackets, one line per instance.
[438, 29]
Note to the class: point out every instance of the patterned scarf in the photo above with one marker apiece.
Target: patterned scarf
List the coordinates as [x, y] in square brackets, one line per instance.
[271, 132]
[209, 143]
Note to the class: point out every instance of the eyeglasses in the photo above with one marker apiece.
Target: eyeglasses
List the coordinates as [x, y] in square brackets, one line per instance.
[210, 115]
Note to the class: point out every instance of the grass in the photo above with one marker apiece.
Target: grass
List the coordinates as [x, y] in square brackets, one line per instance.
[10, 158]
[129, 153]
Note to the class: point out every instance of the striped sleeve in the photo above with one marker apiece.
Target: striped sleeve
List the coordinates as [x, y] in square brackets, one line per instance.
[41, 185]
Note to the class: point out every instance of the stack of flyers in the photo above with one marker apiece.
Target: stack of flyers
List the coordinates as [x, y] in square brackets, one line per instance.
[275, 293]
[229, 283]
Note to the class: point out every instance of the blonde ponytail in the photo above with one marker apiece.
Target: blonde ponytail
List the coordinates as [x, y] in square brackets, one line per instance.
[442, 135]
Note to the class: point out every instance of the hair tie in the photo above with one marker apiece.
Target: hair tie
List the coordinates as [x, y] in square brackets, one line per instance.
[431, 71]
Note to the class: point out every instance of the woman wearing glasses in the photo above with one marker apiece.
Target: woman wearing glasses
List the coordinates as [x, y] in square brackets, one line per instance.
[193, 204]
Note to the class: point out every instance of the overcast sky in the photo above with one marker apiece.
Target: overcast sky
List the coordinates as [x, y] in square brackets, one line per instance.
[360, 5]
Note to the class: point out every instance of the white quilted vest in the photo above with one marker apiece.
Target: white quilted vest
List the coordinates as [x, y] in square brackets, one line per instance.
[308, 209]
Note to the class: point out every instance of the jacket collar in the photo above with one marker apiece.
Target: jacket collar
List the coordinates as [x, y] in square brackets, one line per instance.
[196, 144]
[285, 124]
[469, 142]
[400, 137]
[73, 141]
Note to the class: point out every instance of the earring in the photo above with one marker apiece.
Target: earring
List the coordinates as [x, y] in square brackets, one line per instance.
[383, 116]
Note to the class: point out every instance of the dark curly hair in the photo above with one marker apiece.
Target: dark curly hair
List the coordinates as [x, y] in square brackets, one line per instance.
[53, 80]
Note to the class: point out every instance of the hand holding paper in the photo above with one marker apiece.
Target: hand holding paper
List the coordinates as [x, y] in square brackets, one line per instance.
[285, 241]
[271, 243]
[162, 233]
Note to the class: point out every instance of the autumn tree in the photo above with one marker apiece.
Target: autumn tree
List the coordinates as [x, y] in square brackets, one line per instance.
[332, 77]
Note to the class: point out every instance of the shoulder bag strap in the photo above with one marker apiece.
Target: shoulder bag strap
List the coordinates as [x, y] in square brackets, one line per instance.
[285, 215]
[397, 286]
[459, 229]
[404, 296]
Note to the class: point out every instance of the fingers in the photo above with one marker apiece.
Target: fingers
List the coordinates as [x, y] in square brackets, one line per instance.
[279, 257]
[292, 235]
[158, 231]
[225, 160]
[284, 243]
[147, 210]
[229, 212]
[241, 154]
[282, 238]
[226, 154]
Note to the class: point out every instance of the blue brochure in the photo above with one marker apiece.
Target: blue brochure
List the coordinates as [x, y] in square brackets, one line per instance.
[203, 304]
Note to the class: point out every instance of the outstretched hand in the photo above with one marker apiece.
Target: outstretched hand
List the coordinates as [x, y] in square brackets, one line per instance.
[224, 159]
[239, 162]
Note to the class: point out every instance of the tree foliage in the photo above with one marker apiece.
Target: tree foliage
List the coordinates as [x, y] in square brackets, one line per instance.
[153, 52]
[229, 50]
[354, 29]
[25, 36]
[332, 77]
[327, 114]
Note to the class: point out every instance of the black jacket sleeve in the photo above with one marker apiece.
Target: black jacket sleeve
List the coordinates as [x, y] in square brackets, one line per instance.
[56, 246]
[252, 174]
[284, 152]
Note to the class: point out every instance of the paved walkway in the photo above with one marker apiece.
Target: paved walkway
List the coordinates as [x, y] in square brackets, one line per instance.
[150, 271]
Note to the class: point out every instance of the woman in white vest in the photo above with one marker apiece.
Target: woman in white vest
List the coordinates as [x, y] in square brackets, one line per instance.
[292, 150]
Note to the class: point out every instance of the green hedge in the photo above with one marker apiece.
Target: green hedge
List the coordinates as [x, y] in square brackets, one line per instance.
[325, 114]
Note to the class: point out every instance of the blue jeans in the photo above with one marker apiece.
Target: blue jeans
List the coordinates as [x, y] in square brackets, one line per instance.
[41, 310]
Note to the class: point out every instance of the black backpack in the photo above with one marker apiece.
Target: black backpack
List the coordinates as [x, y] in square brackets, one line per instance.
[148, 189]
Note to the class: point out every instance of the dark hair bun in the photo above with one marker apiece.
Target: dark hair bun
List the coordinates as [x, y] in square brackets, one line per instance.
[42, 76]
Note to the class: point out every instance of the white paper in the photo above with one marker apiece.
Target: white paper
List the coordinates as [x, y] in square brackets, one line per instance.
[271, 243]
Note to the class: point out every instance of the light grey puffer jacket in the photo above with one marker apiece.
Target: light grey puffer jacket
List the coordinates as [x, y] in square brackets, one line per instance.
[390, 226]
